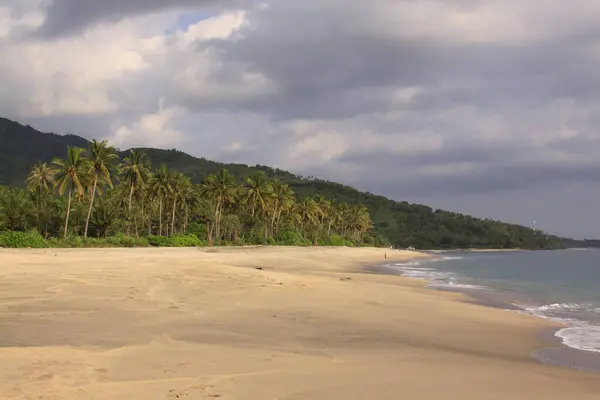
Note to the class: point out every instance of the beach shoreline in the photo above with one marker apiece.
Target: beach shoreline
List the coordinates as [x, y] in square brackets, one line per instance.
[257, 323]
[555, 353]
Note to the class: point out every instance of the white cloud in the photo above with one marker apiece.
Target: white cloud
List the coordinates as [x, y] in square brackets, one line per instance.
[151, 130]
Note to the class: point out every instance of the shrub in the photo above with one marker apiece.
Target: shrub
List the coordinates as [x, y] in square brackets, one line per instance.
[159, 241]
[74, 241]
[16, 240]
[189, 240]
[95, 242]
[291, 238]
[199, 230]
[122, 240]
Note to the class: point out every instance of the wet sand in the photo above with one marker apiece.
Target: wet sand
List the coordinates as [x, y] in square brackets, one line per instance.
[309, 324]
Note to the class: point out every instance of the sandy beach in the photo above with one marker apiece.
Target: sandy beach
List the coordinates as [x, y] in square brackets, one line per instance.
[257, 323]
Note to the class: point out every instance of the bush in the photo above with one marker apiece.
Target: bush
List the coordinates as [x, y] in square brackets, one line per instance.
[337, 240]
[127, 241]
[94, 242]
[16, 240]
[189, 240]
[199, 230]
[75, 241]
[291, 238]
[159, 241]
[271, 241]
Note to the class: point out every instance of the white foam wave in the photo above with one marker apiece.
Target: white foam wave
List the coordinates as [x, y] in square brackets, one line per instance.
[582, 337]
[453, 285]
[404, 264]
[566, 307]
[452, 258]
[578, 334]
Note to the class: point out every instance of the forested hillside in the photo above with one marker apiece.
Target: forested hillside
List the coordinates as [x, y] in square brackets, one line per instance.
[399, 223]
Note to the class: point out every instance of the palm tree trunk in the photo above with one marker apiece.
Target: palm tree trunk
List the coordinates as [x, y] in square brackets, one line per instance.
[129, 211]
[217, 219]
[89, 214]
[185, 219]
[173, 217]
[273, 218]
[210, 228]
[68, 212]
[160, 216]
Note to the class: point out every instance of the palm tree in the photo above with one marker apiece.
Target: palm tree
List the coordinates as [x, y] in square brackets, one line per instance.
[160, 187]
[341, 215]
[102, 160]
[40, 178]
[70, 177]
[135, 173]
[179, 184]
[359, 221]
[39, 181]
[306, 211]
[283, 199]
[324, 213]
[258, 190]
[190, 199]
[221, 189]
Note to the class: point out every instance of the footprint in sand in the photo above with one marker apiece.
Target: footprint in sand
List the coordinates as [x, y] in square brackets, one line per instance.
[194, 392]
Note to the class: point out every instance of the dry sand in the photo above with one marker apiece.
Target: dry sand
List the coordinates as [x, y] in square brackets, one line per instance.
[204, 324]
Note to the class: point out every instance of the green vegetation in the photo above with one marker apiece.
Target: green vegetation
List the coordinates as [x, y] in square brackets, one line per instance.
[75, 196]
[170, 194]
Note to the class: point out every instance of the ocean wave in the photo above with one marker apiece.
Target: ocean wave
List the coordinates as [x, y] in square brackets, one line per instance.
[579, 334]
[567, 307]
[436, 277]
[453, 285]
[584, 337]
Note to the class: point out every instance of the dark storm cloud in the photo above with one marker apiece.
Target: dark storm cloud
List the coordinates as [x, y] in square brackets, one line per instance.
[65, 17]
[485, 179]
[330, 66]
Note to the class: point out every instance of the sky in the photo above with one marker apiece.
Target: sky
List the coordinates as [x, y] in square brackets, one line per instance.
[485, 107]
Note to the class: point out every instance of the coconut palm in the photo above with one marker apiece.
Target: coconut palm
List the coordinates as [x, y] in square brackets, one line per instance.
[160, 188]
[257, 191]
[359, 222]
[221, 189]
[71, 177]
[306, 212]
[179, 184]
[135, 171]
[103, 160]
[282, 200]
[41, 178]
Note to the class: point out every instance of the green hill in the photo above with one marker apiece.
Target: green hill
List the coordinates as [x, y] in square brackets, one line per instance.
[401, 223]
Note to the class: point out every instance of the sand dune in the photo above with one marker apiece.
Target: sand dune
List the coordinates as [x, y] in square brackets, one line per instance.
[200, 324]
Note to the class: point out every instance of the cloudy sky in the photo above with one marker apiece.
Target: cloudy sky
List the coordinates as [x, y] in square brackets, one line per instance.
[488, 107]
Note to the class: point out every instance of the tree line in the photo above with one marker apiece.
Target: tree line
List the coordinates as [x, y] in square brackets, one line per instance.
[93, 194]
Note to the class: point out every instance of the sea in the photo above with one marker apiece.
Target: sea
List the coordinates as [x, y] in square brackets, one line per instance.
[559, 285]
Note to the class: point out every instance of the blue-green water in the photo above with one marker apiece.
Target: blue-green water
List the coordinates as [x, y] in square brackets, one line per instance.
[560, 285]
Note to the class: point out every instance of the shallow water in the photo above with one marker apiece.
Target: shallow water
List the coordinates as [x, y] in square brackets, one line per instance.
[563, 286]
